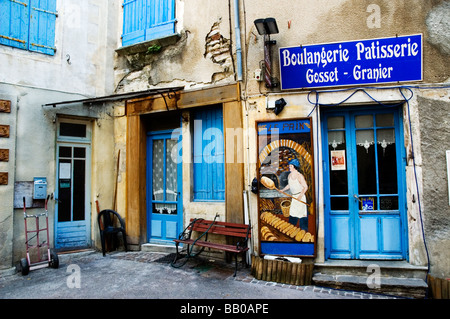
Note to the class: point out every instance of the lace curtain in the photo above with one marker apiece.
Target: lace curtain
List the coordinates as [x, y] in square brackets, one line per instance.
[165, 173]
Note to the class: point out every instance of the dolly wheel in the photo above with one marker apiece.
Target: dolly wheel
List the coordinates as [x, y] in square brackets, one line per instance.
[54, 260]
[24, 267]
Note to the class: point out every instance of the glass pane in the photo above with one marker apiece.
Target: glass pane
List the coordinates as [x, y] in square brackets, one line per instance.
[79, 152]
[389, 203]
[158, 173]
[387, 161]
[72, 129]
[65, 151]
[338, 160]
[171, 171]
[79, 170]
[385, 119]
[336, 122]
[336, 138]
[365, 153]
[64, 197]
[363, 121]
[339, 203]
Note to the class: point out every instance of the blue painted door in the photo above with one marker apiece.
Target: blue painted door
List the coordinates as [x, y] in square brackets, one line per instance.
[164, 187]
[364, 184]
[72, 193]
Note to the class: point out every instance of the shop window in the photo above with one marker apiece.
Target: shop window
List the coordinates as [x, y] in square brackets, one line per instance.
[209, 157]
[145, 20]
[28, 25]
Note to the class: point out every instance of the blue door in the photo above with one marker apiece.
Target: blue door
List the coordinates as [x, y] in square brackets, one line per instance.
[364, 184]
[72, 191]
[164, 187]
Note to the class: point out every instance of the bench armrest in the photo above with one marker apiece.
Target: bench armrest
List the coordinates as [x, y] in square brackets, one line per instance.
[187, 232]
[242, 244]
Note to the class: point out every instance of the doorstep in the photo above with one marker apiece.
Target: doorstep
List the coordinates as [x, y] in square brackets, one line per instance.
[393, 268]
[397, 278]
[159, 248]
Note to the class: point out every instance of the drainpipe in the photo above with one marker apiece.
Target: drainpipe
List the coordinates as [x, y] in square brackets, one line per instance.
[237, 34]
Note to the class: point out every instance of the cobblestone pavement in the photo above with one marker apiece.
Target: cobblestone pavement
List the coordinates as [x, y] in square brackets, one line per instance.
[148, 275]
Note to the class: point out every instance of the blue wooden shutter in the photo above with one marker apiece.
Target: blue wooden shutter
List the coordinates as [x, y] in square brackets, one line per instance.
[14, 23]
[209, 167]
[42, 26]
[145, 20]
[160, 19]
[134, 21]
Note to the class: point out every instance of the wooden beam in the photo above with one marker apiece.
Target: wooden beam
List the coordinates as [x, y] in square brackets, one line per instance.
[183, 99]
[234, 162]
[136, 181]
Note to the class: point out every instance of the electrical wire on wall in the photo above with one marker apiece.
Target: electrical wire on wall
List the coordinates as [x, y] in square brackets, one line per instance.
[406, 100]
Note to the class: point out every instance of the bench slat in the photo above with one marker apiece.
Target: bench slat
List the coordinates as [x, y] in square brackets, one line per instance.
[202, 243]
[222, 228]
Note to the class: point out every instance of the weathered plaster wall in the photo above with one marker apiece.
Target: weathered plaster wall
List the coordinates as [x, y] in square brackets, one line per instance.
[435, 131]
[81, 67]
[7, 191]
[199, 56]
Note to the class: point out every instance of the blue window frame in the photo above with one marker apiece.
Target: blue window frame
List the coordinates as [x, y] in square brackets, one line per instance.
[209, 156]
[28, 25]
[145, 20]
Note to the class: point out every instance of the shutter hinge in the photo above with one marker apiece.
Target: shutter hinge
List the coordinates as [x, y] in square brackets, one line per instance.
[13, 39]
[46, 11]
[19, 2]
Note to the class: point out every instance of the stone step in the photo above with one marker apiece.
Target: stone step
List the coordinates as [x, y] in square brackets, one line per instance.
[393, 286]
[400, 269]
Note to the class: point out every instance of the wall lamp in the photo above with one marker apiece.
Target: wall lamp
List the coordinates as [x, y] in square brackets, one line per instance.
[267, 27]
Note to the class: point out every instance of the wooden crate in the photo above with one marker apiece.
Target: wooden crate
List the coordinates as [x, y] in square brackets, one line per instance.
[439, 288]
[282, 271]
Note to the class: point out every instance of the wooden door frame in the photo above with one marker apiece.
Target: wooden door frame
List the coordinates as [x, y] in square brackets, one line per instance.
[229, 97]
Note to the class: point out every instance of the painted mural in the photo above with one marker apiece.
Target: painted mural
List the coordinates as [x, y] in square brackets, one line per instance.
[286, 203]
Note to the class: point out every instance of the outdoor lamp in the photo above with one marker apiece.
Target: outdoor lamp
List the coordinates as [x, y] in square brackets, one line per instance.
[266, 26]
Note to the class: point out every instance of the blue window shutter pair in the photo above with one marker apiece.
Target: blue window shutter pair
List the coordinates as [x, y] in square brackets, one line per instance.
[28, 24]
[209, 166]
[147, 19]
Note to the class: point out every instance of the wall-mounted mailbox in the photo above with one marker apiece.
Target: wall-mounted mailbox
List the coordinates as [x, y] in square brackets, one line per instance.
[40, 188]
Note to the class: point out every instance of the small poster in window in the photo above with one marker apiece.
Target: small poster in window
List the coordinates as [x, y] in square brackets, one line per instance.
[64, 170]
[338, 161]
[367, 203]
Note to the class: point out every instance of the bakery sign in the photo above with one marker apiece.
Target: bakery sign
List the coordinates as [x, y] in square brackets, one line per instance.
[286, 203]
[374, 61]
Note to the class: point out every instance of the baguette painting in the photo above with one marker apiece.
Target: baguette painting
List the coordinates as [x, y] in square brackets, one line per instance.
[286, 201]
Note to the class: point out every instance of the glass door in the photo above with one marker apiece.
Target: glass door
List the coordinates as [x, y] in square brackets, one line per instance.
[73, 153]
[364, 184]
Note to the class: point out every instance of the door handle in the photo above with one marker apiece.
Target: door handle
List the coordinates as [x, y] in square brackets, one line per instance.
[357, 198]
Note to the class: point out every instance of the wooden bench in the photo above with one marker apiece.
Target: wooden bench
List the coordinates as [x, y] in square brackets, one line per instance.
[205, 227]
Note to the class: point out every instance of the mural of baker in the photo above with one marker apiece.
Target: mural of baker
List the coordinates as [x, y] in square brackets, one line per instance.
[286, 193]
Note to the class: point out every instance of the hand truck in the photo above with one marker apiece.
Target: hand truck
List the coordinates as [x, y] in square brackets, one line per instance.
[51, 260]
